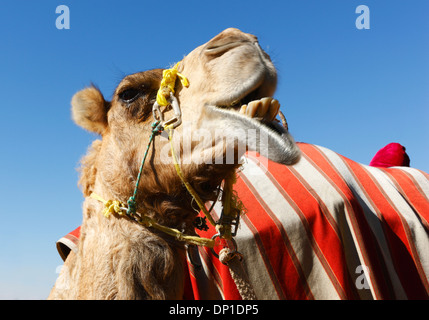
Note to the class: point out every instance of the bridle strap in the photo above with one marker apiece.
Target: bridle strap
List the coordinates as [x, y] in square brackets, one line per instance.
[231, 211]
[120, 209]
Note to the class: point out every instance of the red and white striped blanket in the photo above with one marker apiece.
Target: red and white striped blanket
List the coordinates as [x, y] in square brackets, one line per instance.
[325, 228]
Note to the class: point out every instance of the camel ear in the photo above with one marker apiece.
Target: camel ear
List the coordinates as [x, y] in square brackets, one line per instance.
[89, 110]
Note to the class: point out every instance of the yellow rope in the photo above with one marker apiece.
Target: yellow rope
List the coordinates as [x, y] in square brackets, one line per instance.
[187, 185]
[110, 206]
[228, 207]
[231, 203]
[114, 206]
[168, 83]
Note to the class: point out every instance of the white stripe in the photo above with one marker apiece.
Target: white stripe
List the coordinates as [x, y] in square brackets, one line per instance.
[70, 244]
[420, 178]
[334, 202]
[372, 219]
[291, 222]
[253, 261]
[295, 231]
[419, 234]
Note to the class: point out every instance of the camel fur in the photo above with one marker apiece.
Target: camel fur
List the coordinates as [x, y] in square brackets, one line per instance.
[119, 259]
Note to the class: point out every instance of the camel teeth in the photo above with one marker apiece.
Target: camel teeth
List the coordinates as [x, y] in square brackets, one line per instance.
[243, 109]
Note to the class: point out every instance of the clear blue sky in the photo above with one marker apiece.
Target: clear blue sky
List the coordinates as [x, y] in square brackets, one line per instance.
[350, 90]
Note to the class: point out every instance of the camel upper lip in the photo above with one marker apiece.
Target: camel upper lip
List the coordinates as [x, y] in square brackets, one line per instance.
[243, 99]
[258, 91]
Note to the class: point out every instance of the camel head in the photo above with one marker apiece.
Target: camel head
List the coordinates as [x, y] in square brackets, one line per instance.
[228, 106]
[232, 81]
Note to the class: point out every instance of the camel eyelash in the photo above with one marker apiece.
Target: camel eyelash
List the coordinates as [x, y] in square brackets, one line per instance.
[129, 95]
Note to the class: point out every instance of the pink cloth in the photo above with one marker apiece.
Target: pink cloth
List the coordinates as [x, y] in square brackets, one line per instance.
[391, 155]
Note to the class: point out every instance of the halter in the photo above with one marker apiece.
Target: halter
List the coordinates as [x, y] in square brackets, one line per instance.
[227, 225]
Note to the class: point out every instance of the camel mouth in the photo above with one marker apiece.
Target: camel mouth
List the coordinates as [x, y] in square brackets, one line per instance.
[258, 106]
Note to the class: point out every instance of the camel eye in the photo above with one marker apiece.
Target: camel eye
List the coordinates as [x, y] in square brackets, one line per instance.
[129, 95]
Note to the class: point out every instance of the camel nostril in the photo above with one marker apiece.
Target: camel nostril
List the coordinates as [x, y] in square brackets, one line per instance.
[218, 49]
[228, 40]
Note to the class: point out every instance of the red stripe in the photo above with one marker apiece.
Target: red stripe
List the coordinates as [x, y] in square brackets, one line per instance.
[275, 243]
[253, 209]
[266, 259]
[418, 285]
[410, 189]
[224, 278]
[323, 225]
[367, 240]
[397, 232]
[76, 233]
[219, 271]
[315, 218]
[325, 237]
[364, 237]
[190, 281]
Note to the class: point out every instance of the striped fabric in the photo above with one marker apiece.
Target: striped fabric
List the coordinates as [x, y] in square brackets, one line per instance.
[325, 228]
[70, 242]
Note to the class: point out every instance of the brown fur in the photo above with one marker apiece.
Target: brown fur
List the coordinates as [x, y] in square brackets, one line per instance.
[118, 258]
[92, 110]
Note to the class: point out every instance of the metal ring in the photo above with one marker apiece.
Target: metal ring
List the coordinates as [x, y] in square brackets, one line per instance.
[176, 109]
[233, 243]
[155, 109]
[176, 120]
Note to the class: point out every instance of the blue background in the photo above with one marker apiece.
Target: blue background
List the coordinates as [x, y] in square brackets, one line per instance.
[350, 90]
